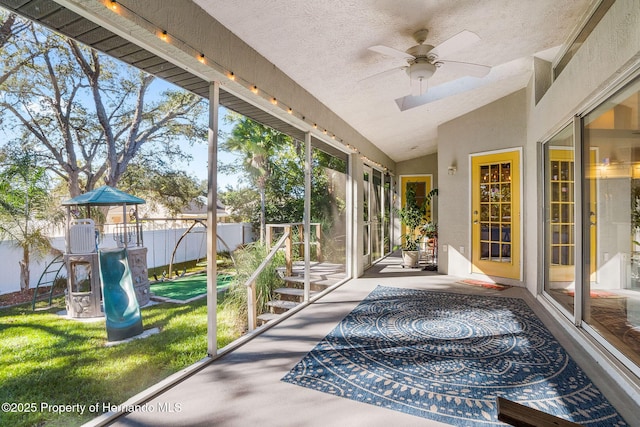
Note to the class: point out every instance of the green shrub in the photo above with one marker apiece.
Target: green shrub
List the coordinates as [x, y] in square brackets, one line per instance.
[248, 260]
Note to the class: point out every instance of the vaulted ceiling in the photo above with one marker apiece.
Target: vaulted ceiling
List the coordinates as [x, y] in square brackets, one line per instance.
[323, 46]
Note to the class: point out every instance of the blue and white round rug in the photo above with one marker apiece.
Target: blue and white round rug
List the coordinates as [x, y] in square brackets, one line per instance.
[447, 357]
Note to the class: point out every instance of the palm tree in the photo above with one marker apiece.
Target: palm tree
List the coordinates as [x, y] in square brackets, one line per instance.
[24, 199]
[256, 144]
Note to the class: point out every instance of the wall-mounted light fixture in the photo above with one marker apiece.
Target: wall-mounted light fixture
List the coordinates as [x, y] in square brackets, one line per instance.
[451, 170]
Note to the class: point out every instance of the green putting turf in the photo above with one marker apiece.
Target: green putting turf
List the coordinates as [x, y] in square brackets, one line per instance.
[185, 288]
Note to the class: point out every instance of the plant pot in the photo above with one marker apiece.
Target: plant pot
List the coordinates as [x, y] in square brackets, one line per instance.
[410, 258]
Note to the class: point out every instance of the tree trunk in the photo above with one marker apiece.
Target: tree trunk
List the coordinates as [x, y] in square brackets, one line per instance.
[24, 270]
[74, 184]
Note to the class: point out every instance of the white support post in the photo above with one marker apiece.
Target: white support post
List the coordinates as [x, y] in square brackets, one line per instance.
[124, 226]
[307, 216]
[355, 216]
[252, 309]
[212, 291]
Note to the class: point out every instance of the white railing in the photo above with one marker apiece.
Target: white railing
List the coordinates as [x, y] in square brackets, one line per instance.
[315, 241]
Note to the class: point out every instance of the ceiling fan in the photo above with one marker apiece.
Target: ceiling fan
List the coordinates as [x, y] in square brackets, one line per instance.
[423, 60]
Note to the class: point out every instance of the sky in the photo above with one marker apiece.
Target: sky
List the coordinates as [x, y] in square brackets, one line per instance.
[197, 166]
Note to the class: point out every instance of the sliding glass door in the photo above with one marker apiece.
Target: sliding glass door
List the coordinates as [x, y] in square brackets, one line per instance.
[611, 210]
[376, 215]
[592, 273]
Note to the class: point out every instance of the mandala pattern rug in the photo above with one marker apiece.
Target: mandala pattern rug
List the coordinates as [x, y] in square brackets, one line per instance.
[447, 357]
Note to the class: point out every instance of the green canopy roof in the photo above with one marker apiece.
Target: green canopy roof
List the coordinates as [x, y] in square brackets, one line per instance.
[104, 196]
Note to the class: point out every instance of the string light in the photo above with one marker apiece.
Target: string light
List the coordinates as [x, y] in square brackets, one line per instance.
[200, 56]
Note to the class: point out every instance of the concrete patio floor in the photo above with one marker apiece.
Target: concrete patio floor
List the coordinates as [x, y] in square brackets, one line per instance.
[243, 387]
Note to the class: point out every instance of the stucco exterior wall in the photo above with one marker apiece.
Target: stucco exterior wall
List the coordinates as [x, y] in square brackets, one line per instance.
[421, 165]
[610, 50]
[497, 126]
[608, 55]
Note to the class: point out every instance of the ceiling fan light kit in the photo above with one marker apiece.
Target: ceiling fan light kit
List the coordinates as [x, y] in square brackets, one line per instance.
[421, 70]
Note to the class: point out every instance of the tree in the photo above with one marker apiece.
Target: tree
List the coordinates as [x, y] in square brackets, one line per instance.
[10, 29]
[171, 189]
[256, 144]
[24, 207]
[282, 199]
[89, 117]
[244, 204]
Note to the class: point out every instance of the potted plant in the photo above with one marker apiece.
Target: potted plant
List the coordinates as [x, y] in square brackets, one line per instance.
[411, 217]
[430, 231]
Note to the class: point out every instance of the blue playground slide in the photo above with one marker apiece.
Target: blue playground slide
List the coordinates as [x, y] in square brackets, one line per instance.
[121, 307]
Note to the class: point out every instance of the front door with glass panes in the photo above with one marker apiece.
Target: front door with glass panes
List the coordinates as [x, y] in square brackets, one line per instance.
[495, 206]
[421, 185]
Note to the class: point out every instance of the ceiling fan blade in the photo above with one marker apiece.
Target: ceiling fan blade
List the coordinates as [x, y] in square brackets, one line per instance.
[389, 51]
[439, 92]
[458, 42]
[383, 74]
[465, 68]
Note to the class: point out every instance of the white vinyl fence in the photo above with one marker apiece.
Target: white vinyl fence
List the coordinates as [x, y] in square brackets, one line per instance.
[160, 243]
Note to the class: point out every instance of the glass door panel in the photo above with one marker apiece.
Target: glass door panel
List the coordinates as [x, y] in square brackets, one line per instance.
[376, 216]
[559, 211]
[612, 213]
[366, 219]
[422, 186]
[387, 214]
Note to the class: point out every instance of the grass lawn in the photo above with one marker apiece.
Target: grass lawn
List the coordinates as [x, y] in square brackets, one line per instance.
[47, 359]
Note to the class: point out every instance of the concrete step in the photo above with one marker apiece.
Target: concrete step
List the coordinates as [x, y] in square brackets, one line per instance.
[280, 306]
